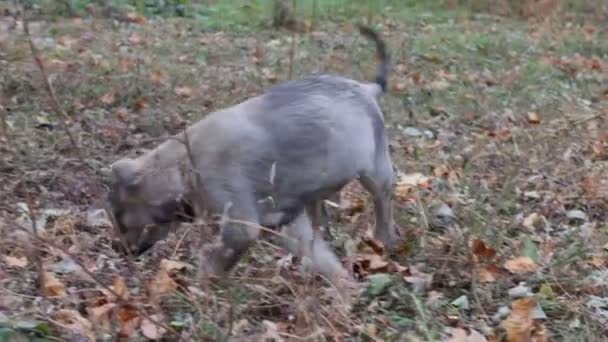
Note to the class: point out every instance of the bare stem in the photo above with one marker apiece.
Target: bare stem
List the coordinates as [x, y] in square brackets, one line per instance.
[62, 116]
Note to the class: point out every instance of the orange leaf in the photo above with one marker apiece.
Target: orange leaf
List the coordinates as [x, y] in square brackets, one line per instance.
[482, 251]
[136, 18]
[15, 261]
[486, 275]
[52, 286]
[519, 324]
[520, 265]
[129, 320]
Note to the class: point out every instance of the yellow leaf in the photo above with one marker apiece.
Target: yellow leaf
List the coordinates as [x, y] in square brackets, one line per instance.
[52, 286]
[18, 262]
[520, 265]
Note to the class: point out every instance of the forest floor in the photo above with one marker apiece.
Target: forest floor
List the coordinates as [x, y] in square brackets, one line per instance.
[498, 128]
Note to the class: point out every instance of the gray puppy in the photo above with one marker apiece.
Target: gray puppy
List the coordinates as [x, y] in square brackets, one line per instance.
[270, 161]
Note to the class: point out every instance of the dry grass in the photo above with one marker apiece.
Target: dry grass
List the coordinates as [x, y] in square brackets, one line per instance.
[505, 119]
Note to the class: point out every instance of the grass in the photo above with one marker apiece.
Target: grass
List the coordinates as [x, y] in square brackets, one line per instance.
[470, 79]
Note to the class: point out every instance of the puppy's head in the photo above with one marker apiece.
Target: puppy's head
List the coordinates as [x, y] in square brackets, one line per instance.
[141, 214]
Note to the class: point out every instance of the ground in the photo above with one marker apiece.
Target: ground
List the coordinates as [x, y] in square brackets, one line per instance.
[497, 126]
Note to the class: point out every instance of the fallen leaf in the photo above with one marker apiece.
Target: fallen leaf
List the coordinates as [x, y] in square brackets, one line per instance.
[269, 75]
[376, 245]
[108, 98]
[75, 323]
[162, 283]
[135, 39]
[533, 221]
[485, 275]
[420, 281]
[183, 91]
[482, 251]
[125, 64]
[141, 103]
[533, 118]
[136, 18]
[399, 86]
[18, 262]
[119, 287]
[129, 320]
[460, 335]
[159, 77]
[170, 265]
[520, 265]
[150, 330]
[520, 323]
[101, 315]
[52, 286]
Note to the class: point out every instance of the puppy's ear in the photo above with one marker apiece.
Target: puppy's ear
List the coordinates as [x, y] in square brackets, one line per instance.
[126, 172]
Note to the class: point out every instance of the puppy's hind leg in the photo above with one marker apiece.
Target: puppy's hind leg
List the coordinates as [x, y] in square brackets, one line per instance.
[379, 183]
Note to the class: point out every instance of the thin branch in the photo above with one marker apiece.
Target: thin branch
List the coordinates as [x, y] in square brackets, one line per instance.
[62, 116]
[292, 50]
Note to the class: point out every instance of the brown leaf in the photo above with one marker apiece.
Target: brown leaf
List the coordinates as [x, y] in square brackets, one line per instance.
[376, 245]
[129, 320]
[108, 98]
[171, 265]
[258, 54]
[101, 315]
[486, 275]
[533, 118]
[532, 221]
[141, 103]
[150, 330]
[520, 265]
[120, 289]
[126, 64]
[162, 283]
[460, 335]
[482, 251]
[520, 323]
[159, 77]
[183, 91]
[421, 281]
[75, 323]
[399, 86]
[136, 18]
[269, 75]
[52, 287]
[18, 262]
[135, 39]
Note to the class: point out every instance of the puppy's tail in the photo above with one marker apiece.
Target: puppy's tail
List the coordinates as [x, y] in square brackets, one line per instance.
[381, 52]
